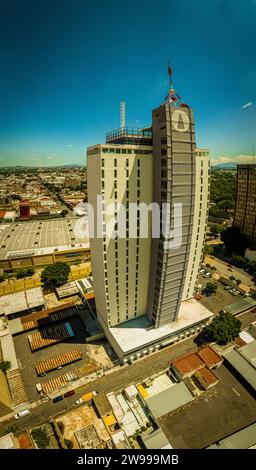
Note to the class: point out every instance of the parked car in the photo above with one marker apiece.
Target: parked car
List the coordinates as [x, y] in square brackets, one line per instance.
[56, 399]
[235, 292]
[87, 397]
[201, 271]
[231, 270]
[228, 288]
[69, 393]
[79, 401]
[207, 274]
[21, 414]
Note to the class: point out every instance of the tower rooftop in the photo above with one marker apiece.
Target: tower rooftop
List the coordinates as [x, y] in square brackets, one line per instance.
[130, 135]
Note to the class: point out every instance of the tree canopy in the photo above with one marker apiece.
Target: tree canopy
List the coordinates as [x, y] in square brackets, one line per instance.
[40, 437]
[211, 287]
[5, 366]
[55, 275]
[223, 328]
[215, 229]
[234, 240]
[208, 249]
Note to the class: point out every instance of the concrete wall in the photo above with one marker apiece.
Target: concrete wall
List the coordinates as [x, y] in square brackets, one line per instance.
[202, 165]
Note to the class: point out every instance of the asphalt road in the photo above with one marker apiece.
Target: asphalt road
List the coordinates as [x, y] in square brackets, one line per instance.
[117, 380]
[222, 268]
[114, 381]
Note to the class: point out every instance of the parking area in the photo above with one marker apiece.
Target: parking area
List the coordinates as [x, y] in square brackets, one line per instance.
[27, 359]
[222, 410]
[217, 301]
[224, 269]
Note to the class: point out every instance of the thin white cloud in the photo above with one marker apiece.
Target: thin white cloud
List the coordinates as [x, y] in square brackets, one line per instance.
[247, 105]
[237, 159]
[70, 145]
[137, 121]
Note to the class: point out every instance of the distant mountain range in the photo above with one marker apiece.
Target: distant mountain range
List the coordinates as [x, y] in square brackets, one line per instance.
[69, 165]
[228, 165]
[72, 165]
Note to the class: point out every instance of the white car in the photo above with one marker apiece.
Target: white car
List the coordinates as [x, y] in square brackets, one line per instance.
[79, 401]
[21, 414]
[202, 271]
[207, 275]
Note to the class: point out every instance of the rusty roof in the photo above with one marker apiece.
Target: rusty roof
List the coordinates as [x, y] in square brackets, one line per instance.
[189, 363]
[207, 375]
[209, 356]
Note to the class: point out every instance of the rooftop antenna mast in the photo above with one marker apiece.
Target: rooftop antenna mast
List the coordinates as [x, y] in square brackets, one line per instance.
[122, 114]
[170, 74]
[173, 98]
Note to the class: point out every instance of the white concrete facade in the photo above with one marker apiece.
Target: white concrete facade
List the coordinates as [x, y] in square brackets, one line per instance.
[202, 159]
[120, 266]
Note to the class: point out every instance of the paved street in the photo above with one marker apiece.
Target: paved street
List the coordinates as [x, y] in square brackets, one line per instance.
[119, 379]
[222, 268]
[124, 376]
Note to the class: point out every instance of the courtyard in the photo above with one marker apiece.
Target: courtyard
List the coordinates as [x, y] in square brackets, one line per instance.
[95, 353]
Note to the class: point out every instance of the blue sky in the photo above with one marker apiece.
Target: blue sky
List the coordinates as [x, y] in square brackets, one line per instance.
[66, 65]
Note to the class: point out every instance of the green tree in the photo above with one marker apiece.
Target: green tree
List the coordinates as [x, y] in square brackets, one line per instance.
[55, 275]
[208, 250]
[40, 437]
[234, 240]
[226, 204]
[5, 366]
[223, 328]
[238, 281]
[25, 272]
[215, 229]
[210, 287]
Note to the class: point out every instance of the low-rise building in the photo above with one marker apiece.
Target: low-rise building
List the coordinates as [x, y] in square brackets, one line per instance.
[102, 405]
[156, 440]
[168, 400]
[243, 439]
[206, 378]
[9, 441]
[186, 366]
[22, 303]
[210, 357]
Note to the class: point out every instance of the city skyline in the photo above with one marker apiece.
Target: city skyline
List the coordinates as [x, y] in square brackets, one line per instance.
[65, 68]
